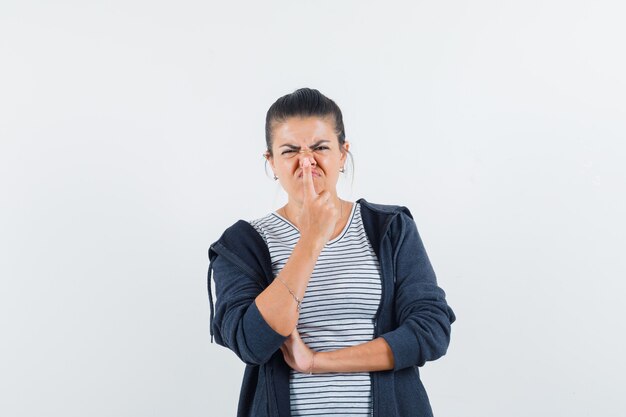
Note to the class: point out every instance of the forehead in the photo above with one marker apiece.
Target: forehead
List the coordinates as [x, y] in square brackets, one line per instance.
[304, 130]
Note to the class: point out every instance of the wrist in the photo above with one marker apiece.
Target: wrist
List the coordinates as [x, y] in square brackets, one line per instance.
[321, 363]
[312, 367]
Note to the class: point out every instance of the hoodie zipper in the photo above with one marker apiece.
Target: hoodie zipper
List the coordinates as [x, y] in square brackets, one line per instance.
[374, 374]
[376, 318]
[377, 315]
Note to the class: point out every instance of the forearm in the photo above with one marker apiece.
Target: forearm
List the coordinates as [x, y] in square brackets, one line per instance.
[375, 355]
[276, 304]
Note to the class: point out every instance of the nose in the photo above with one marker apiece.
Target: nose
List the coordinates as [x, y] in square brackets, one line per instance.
[302, 154]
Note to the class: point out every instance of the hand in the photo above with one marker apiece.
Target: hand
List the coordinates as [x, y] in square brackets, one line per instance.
[319, 216]
[296, 353]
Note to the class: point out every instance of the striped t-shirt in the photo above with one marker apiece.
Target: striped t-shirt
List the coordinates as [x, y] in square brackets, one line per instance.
[337, 311]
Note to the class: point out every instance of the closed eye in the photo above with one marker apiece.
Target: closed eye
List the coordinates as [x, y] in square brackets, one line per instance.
[292, 151]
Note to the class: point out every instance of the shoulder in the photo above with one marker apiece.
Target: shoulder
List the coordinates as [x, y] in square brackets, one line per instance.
[241, 237]
[383, 215]
[381, 220]
[383, 209]
[263, 225]
[243, 230]
[242, 245]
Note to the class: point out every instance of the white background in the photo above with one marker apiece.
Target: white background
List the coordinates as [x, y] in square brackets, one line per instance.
[131, 135]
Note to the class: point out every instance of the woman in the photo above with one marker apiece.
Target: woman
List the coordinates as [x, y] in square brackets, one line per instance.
[333, 305]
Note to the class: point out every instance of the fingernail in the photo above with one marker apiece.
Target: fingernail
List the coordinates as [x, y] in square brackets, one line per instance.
[306, 162]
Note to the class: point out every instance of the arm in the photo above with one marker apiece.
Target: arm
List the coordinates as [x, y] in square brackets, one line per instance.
[238, 324]
[375, 355]
[317, 220]
[276, 303]
[252, 321]
[421, 310]
[423, 315]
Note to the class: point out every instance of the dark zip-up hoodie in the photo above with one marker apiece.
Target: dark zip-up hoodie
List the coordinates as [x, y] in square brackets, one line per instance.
[413, 316]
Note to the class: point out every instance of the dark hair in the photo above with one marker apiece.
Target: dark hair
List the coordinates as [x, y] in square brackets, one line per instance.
[304, 102]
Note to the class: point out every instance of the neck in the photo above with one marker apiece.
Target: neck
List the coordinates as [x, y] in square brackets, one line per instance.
[293, 207]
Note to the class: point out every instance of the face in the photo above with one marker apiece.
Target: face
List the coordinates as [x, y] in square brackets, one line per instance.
[317, 138]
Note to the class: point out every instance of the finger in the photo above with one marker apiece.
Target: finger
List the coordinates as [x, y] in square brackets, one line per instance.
[325, 196]
[307, 180]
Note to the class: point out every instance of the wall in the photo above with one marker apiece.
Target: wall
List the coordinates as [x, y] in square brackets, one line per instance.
[131, 135]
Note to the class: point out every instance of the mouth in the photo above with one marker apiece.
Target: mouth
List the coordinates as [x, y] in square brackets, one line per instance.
[314, 174]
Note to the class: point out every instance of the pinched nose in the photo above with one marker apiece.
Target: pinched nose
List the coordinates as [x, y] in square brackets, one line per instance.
[310, 158]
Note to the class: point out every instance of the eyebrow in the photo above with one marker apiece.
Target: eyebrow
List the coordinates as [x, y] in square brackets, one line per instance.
[319, 142]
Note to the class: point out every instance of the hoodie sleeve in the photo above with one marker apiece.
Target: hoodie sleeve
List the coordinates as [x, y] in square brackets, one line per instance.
[421, 310]
[238, 324]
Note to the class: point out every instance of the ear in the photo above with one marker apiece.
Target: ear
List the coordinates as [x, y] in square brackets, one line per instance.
[344, 154]
[269, 158]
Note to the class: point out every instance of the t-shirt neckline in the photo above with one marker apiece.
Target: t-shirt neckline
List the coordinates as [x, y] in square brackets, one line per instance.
[339, 236]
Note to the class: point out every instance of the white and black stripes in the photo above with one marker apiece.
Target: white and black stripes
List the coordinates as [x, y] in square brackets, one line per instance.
[337, 311]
